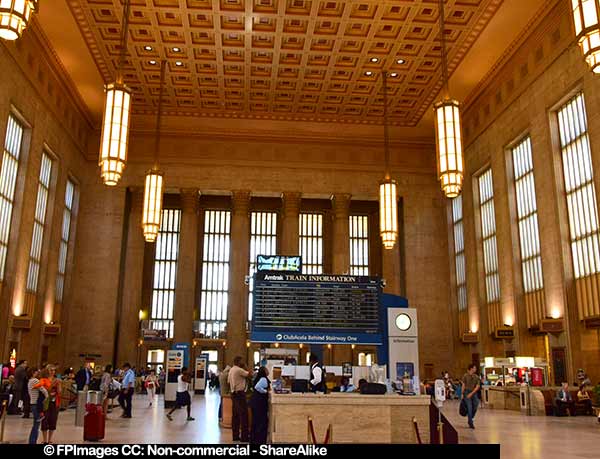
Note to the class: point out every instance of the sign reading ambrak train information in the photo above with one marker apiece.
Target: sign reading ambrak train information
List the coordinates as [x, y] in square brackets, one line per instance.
[316, 309]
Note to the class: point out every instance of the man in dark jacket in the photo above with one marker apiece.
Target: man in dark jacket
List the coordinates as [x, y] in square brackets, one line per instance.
[83, 377]
[19, 388]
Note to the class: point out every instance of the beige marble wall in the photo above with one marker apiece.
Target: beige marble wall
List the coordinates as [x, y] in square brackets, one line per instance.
[520, 100]
[39, 98]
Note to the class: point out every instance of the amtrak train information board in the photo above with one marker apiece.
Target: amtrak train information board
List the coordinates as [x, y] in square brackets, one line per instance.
[316, 309]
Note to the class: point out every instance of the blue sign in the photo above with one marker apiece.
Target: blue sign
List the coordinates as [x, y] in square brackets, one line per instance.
[185, 347]
[312, 337]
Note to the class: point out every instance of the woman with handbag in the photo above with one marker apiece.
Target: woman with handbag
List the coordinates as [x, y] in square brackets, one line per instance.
[151, 384]
[53, 386]
[105, 385]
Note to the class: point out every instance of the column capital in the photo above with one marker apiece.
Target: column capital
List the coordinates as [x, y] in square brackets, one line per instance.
[341, 205]
[189, 199]
[291, 202]
[240, 200]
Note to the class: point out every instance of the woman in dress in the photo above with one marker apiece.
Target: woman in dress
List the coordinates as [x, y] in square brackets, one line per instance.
[151, 384]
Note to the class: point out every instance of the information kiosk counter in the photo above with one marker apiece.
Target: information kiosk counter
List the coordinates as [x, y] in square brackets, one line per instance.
[354, 418]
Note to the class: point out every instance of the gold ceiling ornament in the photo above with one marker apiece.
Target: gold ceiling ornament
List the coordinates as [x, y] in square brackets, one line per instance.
[115, 125]
[450, 161]
[15, 16]
[388, 199]
[154, 186]
[586, 15]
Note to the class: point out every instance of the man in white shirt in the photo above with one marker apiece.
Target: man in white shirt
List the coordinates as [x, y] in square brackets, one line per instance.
[237, 379]
[183, 395]
[317, 381]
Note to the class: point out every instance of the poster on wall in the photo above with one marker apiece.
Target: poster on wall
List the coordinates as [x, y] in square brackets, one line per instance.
[559, 358]
[200, 373]
[347, 369]
[174, 366]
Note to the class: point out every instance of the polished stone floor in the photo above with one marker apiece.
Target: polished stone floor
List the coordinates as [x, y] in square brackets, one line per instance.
[519, 436]
[531, 437]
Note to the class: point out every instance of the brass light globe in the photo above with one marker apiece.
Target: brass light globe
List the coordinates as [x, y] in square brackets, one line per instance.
[15, 16]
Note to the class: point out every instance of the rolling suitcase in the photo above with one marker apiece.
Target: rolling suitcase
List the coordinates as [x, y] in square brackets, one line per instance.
[93, 423]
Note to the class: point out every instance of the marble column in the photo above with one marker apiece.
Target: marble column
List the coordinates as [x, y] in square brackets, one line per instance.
[132, 283]
[341, 233]
[291, 220]
[238, 269]
[185, 291]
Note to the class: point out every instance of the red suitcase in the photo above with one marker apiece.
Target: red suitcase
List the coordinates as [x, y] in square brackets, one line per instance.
[93, 423]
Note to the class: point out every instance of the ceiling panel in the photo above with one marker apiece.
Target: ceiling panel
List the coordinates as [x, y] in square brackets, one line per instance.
[283, 59]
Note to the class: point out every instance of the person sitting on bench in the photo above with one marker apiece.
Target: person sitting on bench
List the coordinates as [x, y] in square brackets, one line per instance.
[564, 402]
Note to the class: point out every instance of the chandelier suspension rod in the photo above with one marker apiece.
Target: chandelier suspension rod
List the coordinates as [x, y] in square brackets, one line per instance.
[124, 35]
[386, 140]
[163, 68]
[446, 88]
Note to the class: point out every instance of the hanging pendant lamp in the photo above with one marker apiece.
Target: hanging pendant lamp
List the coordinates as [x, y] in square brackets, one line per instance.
[115, 125]
[450, 162]
[586, 17]
[154, 184]
[15, 16]
[388, 201]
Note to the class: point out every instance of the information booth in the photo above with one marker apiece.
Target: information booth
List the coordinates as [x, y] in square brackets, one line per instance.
[337, 309]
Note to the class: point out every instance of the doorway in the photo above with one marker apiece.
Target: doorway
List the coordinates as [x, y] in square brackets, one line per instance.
[213, 361]
[156, 360]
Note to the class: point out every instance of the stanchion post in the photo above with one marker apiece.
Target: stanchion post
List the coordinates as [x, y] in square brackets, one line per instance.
[3, 421]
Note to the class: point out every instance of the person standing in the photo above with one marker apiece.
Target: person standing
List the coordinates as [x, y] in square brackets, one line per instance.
[53, 386]
[317, 380]
[127, 388]
[470, 387]
[259, 402]
[182, 397]
[20, 375]
[237, 383]
[224, 389]
[34, 398]
[105, 386]
[151, 383]
[83, 377]
[25, 395]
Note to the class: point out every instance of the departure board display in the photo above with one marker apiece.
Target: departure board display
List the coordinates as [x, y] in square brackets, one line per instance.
[318, 309]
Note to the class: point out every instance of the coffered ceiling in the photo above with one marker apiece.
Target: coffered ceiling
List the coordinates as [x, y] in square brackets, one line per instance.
[307, 60]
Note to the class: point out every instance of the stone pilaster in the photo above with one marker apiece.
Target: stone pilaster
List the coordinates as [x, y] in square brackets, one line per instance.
[291, 220]
[341, 262]
[391, 268]
[185, 293]
[341, 233]
[132, 284]
[238, 269]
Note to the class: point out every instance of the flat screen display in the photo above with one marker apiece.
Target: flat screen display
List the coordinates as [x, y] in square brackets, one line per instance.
[318, 309]
[279, 263]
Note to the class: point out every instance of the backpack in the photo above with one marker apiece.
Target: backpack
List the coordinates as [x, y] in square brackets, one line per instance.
[94, 384]
[462, 409]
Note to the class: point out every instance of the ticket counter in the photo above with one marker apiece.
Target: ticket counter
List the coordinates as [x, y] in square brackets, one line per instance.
[354, 418]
